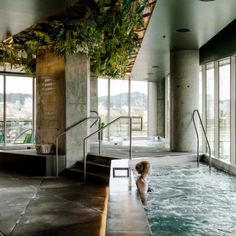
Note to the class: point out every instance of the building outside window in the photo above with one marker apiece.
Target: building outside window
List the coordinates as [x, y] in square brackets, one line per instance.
[139, 106]
[115, 99]
[2, 136]
[119, 106]
[210, 105]
[224, 110]
[16, 109]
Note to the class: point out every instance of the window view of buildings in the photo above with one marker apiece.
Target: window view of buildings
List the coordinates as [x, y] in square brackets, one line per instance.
[115, 99]
[16, 111]
[218, 107]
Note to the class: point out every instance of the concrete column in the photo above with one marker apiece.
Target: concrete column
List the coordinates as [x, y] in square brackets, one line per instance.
[63, 98]
[77, 80]
[50, 99]
[184, 67]
[161, 107]
[94, 93]
[152, 109]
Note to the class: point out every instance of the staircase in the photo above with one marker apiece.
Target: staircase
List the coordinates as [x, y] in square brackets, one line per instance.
[98, 169]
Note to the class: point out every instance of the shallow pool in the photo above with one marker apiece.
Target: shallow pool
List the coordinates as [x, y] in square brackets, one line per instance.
[190, 201]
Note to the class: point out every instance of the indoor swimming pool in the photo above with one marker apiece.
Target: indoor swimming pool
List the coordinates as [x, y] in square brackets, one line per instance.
[188, 200]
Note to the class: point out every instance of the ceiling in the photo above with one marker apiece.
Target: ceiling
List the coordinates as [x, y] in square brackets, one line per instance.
[204, 19]
[16, 16]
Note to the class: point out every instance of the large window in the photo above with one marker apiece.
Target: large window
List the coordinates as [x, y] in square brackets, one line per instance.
[16, 109]
[218, 108]
[2, 136]
[103, 102]
[139, 104]
[115, 99]
[210, 126]
[119, 106]
[224, 110]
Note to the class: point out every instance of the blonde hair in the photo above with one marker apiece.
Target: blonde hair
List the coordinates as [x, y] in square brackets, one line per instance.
[143, 167]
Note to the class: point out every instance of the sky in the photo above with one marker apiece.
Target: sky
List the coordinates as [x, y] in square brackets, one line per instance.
[17, 84]
[120, 86]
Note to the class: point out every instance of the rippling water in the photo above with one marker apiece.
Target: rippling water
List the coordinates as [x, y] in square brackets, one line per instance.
[188, 200]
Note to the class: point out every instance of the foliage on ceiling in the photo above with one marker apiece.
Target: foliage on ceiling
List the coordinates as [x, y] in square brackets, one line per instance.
[106, 33]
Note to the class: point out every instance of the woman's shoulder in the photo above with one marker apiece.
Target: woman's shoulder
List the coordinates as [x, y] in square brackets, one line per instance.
[142, 185]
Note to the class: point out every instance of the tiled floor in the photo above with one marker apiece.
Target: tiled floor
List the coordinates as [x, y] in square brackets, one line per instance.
[50, 206]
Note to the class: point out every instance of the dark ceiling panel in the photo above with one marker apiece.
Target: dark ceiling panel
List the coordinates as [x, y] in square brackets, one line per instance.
[220, 46]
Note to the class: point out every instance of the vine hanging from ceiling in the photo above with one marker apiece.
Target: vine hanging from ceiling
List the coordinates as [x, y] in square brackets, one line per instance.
[106, 33]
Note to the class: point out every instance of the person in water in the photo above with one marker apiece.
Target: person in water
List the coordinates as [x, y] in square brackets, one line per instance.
[144, 169]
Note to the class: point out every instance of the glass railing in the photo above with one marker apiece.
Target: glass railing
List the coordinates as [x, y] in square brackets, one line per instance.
[17, 132]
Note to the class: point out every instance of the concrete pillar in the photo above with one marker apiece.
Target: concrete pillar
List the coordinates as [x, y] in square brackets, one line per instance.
[184, 67]
[152, 109]
[94, 93]
[161, 107]
[63, 98]
[50, 99]
[77, 80]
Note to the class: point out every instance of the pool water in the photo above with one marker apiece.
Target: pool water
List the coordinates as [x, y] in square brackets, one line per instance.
[188, 200]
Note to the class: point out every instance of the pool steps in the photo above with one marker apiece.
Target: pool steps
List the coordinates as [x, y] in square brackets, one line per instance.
[98, 169]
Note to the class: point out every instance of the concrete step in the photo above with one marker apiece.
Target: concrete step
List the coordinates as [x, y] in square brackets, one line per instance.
[78, 174]
[94, 166]
[100, 158]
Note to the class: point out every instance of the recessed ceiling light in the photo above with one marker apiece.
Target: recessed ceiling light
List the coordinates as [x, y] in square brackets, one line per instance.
[183, 30]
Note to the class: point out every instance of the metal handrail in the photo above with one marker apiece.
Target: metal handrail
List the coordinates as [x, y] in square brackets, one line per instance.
[98, 118]
[69, 128]
[23, 132]
[204, 131]
[102, 128]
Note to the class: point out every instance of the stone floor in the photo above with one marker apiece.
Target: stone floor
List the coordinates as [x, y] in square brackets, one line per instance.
[50, 206]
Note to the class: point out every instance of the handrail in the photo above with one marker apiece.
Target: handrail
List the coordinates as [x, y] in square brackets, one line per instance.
[66, 130]
[98, 118]
[141, 123]
[102, 128]
[23, 132]
[204, 131]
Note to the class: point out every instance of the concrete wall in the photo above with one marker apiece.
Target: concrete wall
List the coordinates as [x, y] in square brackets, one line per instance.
[161, 107]
[156, 108]
[152, 109]
[94, 94]
[77, 80]
[184, 97]
[63, 98]
[50, 99]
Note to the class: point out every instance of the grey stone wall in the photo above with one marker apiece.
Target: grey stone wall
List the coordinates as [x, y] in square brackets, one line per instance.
[161, 107]
[94, 93]
[77, 80]
[63, 98]
[184, 98]
[50, 99]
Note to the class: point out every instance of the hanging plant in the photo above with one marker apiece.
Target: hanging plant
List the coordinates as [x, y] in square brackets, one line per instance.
[105, 34]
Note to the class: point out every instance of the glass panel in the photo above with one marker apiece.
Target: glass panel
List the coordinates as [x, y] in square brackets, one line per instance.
[139, 106]
[119, 106]
[224, 111]
[200, 105]
[18, 109]
[1, 110]
[210, 104]
[103, 102]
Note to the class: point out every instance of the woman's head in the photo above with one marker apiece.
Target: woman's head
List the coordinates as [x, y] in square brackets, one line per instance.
[143, 167]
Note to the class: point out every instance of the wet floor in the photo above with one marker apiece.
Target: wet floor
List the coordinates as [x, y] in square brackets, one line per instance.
[50, 206]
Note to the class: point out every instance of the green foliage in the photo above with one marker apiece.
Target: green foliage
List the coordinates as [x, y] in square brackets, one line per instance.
[106, 35]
